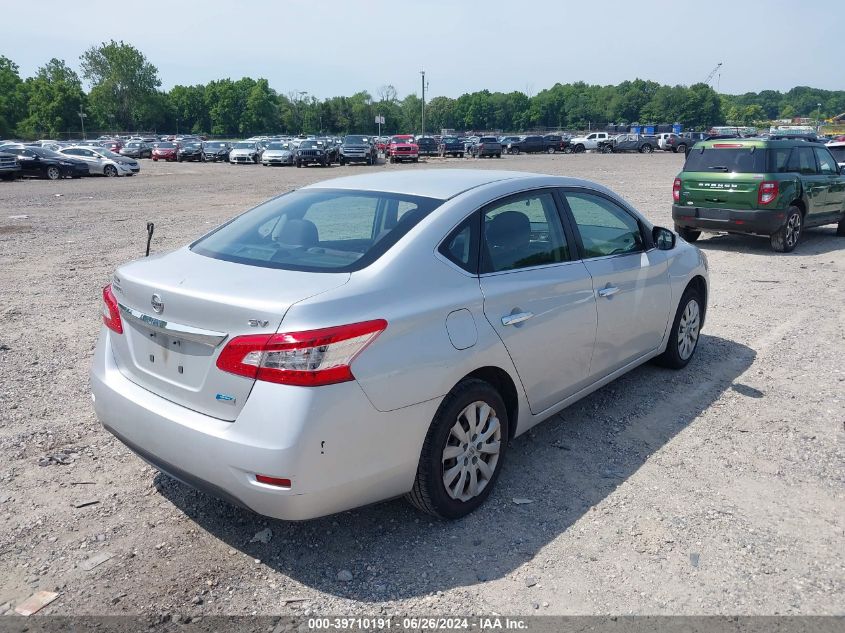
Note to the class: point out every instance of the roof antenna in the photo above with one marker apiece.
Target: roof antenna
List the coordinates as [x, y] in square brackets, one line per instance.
[150, 228]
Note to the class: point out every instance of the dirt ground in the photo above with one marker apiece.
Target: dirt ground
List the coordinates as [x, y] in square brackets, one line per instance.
[714, 490]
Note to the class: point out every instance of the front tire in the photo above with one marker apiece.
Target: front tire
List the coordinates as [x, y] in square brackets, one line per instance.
[681, 148]
[785, 239]
[683, 339]
[110, 171]
[463, 451]
[840, 228]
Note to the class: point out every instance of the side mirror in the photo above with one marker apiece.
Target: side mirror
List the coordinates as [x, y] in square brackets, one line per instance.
[664, 239]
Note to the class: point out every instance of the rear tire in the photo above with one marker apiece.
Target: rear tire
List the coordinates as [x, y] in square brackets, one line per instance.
[785, 239]
[53, 173]
[578, 149]
[551, 150]
[681, 148]
[515, 150]
[646, 149]
[689, 235]
[468, 437]
[686, 328]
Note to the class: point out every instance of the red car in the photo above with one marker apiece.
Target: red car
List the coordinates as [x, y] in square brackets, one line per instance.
[114, 146]
[165, 151]
[402, 147]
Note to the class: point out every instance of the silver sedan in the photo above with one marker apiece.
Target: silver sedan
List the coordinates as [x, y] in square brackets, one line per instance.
[386, 334]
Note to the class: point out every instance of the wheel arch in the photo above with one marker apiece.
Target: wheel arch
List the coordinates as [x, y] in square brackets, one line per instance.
[504, 384]
[799, 202]
[700, 285]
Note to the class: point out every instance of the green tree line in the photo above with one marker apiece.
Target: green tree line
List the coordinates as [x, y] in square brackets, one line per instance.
[125, 95]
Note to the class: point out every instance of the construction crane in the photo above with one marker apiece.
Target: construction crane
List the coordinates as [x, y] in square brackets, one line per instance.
[713, 73]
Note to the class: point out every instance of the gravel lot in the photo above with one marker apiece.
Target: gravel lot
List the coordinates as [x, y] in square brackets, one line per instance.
[714, 490]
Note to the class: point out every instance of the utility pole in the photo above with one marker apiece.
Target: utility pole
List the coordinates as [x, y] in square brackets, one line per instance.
[422, 72]
[82, 116]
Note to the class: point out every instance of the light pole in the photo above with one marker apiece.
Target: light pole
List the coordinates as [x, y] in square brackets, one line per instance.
[302, 93]
[82, 116]
[818, 117]
[422, 73]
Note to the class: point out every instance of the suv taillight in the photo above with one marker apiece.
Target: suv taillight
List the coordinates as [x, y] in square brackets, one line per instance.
[111, 313]
[676, 190]
[767, 192]
[308, 359]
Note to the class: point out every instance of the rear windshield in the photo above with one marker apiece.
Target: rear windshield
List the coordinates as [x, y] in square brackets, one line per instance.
[741, 160]
[318, 230]
[166, 145]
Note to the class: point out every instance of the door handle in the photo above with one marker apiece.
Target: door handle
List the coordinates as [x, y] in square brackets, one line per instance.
[608, 291]
[519, 317]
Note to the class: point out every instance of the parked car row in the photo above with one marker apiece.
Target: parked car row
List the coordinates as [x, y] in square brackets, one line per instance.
[69, 162]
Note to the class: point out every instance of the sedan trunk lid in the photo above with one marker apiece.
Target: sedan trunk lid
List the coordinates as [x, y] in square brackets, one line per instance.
[180, 309]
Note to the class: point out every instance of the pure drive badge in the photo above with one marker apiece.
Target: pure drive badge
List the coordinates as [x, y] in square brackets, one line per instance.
[222, 397]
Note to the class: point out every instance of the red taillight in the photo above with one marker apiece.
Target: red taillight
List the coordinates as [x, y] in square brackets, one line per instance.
[308, 359]
[273, 481]
[111, 313]
[676, 190]
[767, 192]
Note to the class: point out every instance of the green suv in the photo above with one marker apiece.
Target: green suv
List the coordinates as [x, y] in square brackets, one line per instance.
[765, 187]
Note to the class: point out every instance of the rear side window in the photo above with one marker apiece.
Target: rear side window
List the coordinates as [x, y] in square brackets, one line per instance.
[521, 232]
[740, 160]
[317, 230]
[461, 247]
[803, 161]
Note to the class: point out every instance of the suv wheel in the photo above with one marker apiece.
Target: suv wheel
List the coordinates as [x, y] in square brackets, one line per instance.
[579, 148]
[551, 150]
[681, 148]
[689, 235]
[463, 452]
[786, 238]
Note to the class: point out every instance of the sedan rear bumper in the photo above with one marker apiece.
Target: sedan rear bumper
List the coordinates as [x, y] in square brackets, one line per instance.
[762, 222]
[338, 451]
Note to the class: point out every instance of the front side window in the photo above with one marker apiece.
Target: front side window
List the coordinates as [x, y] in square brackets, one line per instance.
[523, 231]
[605, 228]
[826, 163]
[317, 230]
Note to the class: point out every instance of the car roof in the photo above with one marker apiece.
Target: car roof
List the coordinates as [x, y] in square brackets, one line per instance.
[441, 184]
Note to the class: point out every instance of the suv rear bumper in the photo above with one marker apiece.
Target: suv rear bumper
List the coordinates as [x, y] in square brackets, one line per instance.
[762, 222]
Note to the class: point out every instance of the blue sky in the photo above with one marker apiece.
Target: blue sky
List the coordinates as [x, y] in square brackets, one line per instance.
[336, 47]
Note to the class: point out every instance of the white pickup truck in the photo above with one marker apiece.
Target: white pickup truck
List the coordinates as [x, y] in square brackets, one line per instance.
[591, 141]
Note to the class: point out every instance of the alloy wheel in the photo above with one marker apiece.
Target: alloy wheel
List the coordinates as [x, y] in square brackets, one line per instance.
[688, 329]
[472, 450]
[793, 229]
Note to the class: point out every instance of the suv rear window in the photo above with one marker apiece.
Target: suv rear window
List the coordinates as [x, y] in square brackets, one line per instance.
[741, 160]
[319, 230]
